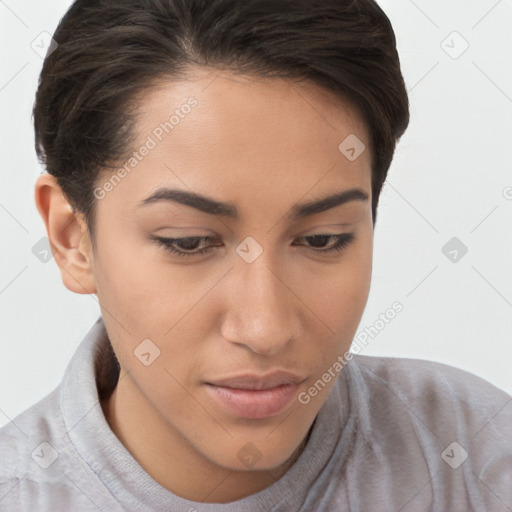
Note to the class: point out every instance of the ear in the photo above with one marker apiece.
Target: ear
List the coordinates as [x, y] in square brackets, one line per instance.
[68, 236]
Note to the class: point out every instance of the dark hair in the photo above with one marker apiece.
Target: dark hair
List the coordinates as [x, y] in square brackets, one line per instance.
[110, 51]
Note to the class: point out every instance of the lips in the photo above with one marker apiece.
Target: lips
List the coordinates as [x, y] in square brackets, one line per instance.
[252, 396]
[256, 382]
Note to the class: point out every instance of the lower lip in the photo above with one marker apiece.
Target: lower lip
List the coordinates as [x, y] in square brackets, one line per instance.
[251, 404]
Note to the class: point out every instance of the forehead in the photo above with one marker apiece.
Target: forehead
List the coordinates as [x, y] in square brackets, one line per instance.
[236, 107]
[246, 140]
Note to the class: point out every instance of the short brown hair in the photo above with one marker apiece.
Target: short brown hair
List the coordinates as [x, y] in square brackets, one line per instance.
[109, 51]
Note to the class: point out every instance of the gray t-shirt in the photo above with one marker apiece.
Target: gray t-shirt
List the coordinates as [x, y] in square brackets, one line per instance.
[394, 435]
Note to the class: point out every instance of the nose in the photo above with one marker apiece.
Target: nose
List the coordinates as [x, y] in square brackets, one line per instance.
[262, 309]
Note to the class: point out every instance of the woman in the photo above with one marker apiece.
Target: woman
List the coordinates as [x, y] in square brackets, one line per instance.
[213, 175]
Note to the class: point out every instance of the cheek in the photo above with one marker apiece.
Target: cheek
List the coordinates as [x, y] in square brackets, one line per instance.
[143, 296]
[340, 304]
[125, 287]
[127, 268]
[345, 292]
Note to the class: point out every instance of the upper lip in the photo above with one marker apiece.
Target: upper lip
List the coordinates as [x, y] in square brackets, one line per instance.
[258, 382]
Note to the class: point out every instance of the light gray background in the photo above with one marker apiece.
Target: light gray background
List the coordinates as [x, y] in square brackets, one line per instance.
[451, 177]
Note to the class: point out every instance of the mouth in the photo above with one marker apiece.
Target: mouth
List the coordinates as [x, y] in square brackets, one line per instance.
[253, 403]
[253, 396]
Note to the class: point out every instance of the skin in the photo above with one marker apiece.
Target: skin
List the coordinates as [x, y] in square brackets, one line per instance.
[263, 145]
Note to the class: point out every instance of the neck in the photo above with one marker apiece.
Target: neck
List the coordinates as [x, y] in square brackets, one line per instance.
[170, 460]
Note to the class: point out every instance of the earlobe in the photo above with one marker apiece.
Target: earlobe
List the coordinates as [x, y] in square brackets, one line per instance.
[68, 236]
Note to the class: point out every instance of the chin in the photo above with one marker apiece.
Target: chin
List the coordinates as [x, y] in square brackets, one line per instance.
[253, 456]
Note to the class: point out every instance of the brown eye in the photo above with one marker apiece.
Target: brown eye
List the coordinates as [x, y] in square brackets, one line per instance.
[184, 246]
[341, 241]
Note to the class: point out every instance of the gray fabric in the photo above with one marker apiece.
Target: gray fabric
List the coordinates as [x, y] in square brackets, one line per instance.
[376, 446]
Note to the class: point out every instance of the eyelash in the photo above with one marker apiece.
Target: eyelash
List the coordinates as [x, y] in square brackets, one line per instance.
[343, 240]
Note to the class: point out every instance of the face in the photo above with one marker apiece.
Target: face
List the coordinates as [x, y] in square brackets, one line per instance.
[261, 283]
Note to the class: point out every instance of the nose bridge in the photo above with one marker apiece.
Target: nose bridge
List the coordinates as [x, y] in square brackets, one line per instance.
[261, 307]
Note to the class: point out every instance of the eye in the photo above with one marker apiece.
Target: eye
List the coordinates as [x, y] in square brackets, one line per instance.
[341, 241]
[188, 246]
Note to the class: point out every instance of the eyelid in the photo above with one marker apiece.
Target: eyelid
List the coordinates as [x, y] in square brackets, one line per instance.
[341, 242]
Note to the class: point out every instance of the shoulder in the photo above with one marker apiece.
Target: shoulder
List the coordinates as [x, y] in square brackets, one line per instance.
[40, 468]
[23, 435]
[430, 388]
[446, 421]
[424, 378]
[29, 445]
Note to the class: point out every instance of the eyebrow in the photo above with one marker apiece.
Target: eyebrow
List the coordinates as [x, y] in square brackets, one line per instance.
[230, 211]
